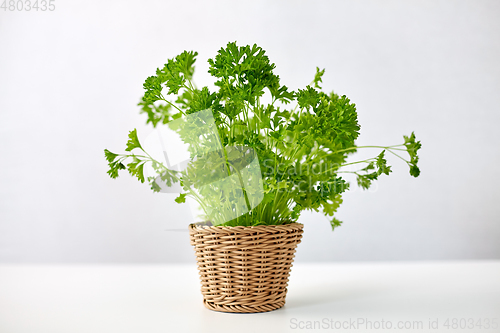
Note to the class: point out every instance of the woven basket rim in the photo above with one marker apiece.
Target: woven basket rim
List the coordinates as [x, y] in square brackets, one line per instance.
[267, 227]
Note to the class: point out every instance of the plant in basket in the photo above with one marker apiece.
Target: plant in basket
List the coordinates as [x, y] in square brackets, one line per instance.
[255, 155]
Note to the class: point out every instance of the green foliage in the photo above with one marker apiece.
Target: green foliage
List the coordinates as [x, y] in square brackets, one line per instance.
[412, 147]
[181, 198]
[154, 185]
[114, 164]
[243, 73]
[335, 223]
[318, 77]
[133, 141]
[177, 71]
[136, 165]
[302, 138]
[382, 166]
[175, 75]
[135, 168]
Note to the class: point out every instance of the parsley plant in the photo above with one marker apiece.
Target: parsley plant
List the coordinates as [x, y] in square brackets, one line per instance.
[302, 138]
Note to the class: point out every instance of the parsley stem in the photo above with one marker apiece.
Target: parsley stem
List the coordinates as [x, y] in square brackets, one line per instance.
[172, 104]
[357, 162]
[381, 147]
[242, 186]
[343, 165]
[398, 156]
[192, 88]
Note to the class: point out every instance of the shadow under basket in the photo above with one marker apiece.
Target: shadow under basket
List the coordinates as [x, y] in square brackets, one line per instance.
[245, 269]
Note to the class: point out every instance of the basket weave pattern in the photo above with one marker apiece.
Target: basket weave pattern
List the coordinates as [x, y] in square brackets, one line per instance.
[245, 269]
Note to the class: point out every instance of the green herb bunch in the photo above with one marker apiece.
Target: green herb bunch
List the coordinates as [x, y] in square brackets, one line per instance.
[302, 138]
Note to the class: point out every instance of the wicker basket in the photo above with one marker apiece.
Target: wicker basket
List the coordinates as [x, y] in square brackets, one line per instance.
[245, 269]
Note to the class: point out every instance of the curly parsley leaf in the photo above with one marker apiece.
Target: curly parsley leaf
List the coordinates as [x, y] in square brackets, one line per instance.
[243, 72]
[177, 71]
[154, 185]
[318, 77]
[335, 223]
[114, 168]
[181, 198]
[157, 113]
[382, 166]
[308, 98]
[110, 157]
[115, 164]
[133, 141]
[412, 147]
[153, 88]
[136, 168]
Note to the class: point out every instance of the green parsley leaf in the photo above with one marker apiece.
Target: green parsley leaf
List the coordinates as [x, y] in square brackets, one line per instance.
[412, 147]
[135, 168]
[181, 198]
[382, 166]
[133, 141]
[318, 77]
[110, 157]
[335, 223]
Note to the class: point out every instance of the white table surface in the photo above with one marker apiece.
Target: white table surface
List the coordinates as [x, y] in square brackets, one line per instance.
[167, 298]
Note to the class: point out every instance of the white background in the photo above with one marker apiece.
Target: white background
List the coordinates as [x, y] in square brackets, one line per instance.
[70, 81]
